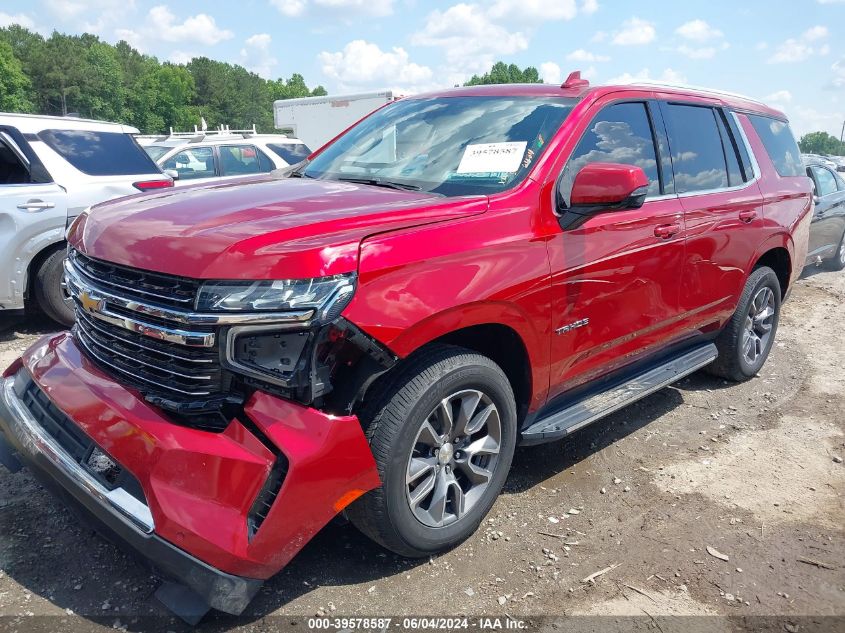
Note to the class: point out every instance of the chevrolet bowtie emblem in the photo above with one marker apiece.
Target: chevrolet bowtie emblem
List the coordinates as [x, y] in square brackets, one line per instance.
[89, 303]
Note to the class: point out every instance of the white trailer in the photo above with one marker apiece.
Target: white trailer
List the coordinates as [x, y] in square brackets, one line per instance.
[317, 120]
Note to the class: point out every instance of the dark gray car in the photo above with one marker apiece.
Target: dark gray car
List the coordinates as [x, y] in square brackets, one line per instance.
[827, 232]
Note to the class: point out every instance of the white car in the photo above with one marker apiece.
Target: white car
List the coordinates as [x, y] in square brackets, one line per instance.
[52, 169]
[198, 156]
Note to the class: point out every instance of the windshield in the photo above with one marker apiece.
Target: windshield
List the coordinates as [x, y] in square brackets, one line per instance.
[156, 151]
[453, 146]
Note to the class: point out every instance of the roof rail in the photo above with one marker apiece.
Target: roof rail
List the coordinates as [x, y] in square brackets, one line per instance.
[669, 84]
[222, 130]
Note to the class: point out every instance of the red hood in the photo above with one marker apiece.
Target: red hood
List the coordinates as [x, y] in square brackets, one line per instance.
[256, 229]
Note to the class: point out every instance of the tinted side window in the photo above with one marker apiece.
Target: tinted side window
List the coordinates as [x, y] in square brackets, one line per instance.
[697, 153]
[745, 159]
[12, 170]
[236, 160]
[779, 143]
[100, 153]
[197, 162]
[291, 153]
[825, 181]
[264, 162]
[620, 133]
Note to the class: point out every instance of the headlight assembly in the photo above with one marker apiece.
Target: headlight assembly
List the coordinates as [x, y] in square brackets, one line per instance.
[326, 295]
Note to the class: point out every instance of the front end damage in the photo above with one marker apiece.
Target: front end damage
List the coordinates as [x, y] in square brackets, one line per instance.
[216, 511]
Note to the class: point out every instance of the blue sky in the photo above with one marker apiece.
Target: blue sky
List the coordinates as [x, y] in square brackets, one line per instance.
[790, 53]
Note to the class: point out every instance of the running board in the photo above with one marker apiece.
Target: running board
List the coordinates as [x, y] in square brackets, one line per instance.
[580, 413]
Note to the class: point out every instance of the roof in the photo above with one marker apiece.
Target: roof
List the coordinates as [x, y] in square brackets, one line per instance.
[387, 95]
[234, 139]
[34, 123]
[579, 92]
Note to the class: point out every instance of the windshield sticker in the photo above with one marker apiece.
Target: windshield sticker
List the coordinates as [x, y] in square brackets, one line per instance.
[484, 158]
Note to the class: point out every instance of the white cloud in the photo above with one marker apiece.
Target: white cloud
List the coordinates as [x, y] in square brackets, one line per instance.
[160, 24]
[801, 48]
[550, 73]
[838, 69]
[257, 55]
[295, 8]
[780, 96]
[698, 31]
[816, 33]
[581, 55]
[468, 37]
[635, 32]
[668, 75]
[290, 8]
[18, 18]
[182, 57]
[589, 6]
[533, 10]
[93, 16]
[701, 52]
[362, 64]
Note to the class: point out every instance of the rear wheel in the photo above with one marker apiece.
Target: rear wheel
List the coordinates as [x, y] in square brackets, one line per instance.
[50, 290]
[443, 433]
[837, 262]
[745, 342]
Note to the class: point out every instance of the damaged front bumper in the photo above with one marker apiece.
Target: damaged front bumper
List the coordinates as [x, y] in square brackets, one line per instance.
[216, 512]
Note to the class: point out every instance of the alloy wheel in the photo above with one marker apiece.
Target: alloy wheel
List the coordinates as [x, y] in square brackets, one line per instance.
[842, 251]
[758, 325]
[453, 458]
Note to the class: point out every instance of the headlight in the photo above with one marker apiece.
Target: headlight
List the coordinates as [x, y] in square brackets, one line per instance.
[327, 295]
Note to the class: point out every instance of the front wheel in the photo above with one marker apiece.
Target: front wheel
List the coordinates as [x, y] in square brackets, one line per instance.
[50, 290]
[443, 433]
[745, 342]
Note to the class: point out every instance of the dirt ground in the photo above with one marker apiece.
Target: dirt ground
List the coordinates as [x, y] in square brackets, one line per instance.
[751, 471]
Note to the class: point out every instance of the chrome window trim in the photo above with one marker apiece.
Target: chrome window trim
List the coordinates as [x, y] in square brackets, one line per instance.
[36, 439]
[754, 164]
[293, 317]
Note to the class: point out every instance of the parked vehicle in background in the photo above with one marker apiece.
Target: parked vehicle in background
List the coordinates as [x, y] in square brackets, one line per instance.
[827, 232]
[51, 169]
[317, 120]
[198, 156]
[460, 272]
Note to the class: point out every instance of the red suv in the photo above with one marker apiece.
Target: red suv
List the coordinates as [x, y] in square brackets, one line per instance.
[458, 273]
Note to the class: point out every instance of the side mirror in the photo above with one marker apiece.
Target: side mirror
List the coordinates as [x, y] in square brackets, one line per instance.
[172, 173]
[609, 185]
[601, 187]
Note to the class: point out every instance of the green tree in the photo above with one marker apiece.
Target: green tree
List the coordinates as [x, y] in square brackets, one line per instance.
[102, 91]
[15, 95]
[821, 143]
[502, 73]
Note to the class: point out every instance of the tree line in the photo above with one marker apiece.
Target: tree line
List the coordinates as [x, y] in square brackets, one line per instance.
[83, 75]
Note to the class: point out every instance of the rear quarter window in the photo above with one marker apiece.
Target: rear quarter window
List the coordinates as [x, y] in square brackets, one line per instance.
[779, 143]
[100, 153]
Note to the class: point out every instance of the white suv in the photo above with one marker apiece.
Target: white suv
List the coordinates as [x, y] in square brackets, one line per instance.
[51, 169]
[198, 156]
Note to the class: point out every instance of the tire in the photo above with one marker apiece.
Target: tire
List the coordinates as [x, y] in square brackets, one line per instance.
[49, 291]
[837, 262]
[744, 336]
[395, 419]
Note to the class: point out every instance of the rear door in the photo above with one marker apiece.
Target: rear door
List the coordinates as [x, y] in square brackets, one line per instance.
[829, 214]
[243, 160]
[722, 204]
[33, 214]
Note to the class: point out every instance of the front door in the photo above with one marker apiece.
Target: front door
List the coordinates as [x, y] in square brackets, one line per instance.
[616, 277]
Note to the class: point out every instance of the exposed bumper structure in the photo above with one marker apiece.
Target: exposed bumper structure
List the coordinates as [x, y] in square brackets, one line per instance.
[193, 514]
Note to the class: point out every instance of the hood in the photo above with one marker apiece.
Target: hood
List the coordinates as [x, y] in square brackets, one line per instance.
[256, 228]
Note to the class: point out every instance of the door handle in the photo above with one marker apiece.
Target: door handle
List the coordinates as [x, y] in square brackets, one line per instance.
[747, 216]
[665, 231]
[36, 205]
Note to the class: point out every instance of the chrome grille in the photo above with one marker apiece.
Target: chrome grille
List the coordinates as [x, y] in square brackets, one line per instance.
[147, 362]
[167, 290]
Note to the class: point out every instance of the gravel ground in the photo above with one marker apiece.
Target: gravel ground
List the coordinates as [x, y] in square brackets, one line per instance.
[707, 498]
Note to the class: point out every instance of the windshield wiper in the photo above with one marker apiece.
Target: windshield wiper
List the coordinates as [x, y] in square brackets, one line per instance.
[377, 182]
